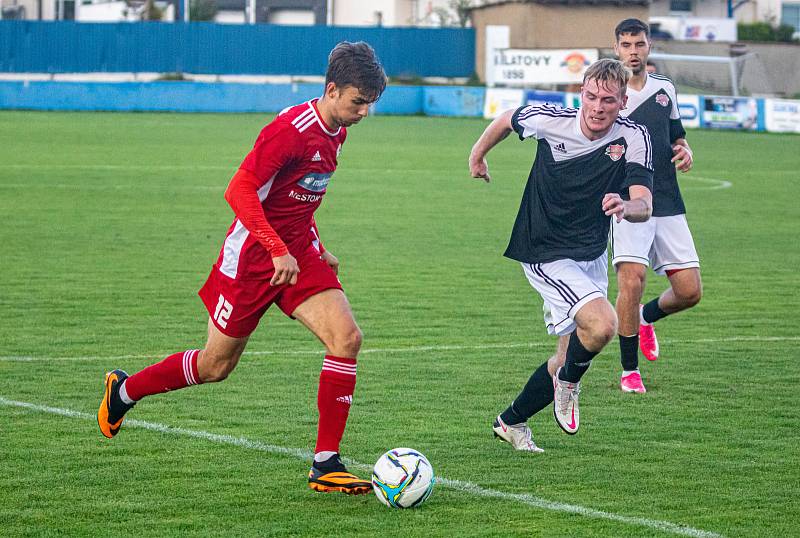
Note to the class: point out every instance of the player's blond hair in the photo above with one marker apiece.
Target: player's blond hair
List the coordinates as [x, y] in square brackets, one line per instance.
[607, 71]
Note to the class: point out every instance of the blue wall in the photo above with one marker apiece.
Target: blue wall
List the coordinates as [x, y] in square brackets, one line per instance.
[224, 97]
[206, 48]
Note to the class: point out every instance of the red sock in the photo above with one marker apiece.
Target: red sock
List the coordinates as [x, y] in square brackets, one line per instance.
[336, 384]
[175, 372]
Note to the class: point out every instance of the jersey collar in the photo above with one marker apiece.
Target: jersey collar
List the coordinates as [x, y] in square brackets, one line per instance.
[313, 104]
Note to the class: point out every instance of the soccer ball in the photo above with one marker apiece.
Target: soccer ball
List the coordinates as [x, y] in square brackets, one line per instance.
[402, 478]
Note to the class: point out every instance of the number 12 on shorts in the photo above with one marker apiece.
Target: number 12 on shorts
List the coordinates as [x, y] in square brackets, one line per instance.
[222, 312]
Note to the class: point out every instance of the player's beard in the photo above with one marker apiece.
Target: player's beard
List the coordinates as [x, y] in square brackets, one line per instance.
[638, 71]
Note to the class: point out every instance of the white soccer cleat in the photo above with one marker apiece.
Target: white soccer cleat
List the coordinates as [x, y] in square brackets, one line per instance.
[565, 404]
[517, 435]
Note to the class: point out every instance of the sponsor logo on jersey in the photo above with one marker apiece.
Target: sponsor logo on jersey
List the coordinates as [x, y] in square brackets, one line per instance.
[317, 157]
[560, 148]
[662, 99]
[615, 151]
[315, 182]
[302, 197]
[575, 62]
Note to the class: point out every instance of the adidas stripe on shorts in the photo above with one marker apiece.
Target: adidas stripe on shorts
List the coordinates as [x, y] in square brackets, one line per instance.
[565, 286]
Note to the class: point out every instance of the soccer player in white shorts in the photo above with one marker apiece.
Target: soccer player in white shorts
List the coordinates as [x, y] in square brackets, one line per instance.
[590, 164]
[664, 242]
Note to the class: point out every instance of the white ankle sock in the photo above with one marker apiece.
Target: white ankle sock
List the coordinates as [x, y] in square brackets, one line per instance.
[323, 456]
[123, 395]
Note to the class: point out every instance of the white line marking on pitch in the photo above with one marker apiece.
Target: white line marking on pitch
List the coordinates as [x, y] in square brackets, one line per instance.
[410, 349]
[129, 166]
[459, 485]
[715, 183]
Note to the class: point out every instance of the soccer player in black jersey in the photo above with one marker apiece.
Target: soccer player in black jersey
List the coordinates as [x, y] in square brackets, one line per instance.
[590, 165]
[664, 242]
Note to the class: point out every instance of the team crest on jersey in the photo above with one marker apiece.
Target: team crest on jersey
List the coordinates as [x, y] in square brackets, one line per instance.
[615, 151]
[662, 99]
[339, 150]
[315, 182]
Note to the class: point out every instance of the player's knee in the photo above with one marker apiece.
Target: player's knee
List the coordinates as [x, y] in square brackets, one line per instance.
[216, 368]
[347, 343]
[631, 281]
[603, 330]
[691, 297]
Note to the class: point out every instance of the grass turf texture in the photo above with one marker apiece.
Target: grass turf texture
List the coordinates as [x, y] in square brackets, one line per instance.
[112, 222]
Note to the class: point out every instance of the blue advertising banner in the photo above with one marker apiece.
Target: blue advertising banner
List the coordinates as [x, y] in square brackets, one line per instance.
[537, 97]
[730, 113]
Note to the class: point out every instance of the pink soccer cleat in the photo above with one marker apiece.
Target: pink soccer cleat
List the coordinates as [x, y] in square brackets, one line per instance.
[648, 342]
[632, 383]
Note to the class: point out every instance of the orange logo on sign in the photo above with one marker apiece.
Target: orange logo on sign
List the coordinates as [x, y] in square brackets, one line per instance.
[575, 62]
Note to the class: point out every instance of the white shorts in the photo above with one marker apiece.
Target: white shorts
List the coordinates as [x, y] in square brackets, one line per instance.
[664, 243]
[565, 286]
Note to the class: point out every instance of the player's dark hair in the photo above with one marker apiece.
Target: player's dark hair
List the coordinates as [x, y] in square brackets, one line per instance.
[355, 64]
[633, 27]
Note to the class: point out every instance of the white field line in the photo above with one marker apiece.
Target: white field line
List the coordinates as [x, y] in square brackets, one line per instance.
[130, 166]
[391, 350]
[458, 485]
[715, 183]
[711, 183]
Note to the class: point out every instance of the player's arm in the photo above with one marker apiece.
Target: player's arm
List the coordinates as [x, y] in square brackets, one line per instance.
[681, 152]
[638, 180]
[637, 209]
[498, 130]
[242, 196]
[682, 155]
[277, 146]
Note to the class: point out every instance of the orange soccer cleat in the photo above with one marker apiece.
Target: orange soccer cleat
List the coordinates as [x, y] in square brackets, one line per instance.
[112, 409]
[335, 477]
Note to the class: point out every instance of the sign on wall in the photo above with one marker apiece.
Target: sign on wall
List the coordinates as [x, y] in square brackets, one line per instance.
[498, 100]
[782, 116]
[523, 67]
[689, 107]
[537, 97]
[730, 113]
[708, 29]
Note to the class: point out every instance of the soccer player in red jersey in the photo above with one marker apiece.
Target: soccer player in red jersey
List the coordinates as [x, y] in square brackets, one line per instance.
[272, 255]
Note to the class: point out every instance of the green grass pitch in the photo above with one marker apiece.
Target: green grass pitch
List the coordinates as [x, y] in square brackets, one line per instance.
[112, 221]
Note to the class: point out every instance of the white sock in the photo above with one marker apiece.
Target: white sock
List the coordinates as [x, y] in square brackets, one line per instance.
[123, 395]
[323, 456]
[629, 372]
[641, 316]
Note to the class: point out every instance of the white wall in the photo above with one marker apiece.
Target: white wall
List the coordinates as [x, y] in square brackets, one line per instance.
[752, 11]
[395, 12]
[294, 17]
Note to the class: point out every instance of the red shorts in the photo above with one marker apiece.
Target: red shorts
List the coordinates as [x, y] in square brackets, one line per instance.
[236, 305]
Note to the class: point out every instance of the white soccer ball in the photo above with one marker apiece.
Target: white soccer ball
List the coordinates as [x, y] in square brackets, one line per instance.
[402, 478]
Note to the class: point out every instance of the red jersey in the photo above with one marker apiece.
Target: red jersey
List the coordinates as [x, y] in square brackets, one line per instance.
[293, 158]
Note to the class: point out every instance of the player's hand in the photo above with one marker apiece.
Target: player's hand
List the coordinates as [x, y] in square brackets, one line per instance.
[682, 155]
[478, 168]
[286, 270]
[613, 204]
[331, 260]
